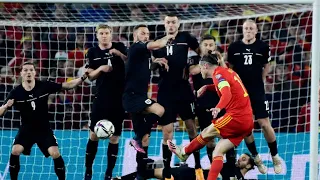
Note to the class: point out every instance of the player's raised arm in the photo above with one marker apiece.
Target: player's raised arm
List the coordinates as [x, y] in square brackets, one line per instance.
[5, 106]
[121, 52]
[7, 103]
[93, 70]
[160, 43]
[75, 82]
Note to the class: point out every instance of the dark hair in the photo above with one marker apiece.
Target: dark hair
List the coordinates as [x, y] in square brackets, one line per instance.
[251, 161]
[207, 37]
[172, 15]
[211, 59]
[139, 26]
[28, 63]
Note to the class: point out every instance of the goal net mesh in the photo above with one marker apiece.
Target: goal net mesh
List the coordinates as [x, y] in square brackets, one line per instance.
[57, 37]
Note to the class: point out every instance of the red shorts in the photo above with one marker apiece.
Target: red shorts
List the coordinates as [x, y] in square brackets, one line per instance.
[234, 128]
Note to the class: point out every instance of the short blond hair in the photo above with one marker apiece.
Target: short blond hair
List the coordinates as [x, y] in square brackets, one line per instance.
[250, 21]
[103, 26]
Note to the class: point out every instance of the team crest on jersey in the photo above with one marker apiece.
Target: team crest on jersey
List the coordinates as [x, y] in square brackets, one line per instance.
[148, 101]
[218, 76]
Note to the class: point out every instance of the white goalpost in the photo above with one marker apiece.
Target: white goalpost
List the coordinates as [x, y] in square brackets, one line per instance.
[289, 87]
[314, 141]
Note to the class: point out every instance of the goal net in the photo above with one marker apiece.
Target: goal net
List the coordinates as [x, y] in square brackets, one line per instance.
[57, 36]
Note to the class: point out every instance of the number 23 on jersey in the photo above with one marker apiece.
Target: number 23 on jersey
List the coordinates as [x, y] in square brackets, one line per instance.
[247, 59]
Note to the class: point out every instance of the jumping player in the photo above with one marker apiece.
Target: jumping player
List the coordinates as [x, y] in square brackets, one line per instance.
[232, 127]
[250, 58]
[175, 93]
[31, 100]
[145, 112]
[106, 65]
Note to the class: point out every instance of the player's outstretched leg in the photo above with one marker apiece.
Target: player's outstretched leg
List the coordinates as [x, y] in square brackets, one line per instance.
[112, 155]
[270, 137]
[196, 144]
[222, 147]
[14, 165]
[91, 151]
[59, 167]
[253, 150]
[192, 131]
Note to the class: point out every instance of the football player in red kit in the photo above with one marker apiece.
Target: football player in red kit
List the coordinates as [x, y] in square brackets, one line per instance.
[233, 127]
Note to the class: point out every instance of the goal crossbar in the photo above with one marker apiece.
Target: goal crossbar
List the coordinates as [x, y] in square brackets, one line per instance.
[133, 23]
[171, 2]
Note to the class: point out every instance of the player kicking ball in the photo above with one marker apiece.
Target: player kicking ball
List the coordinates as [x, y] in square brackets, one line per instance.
[232, 127]
[31, 100]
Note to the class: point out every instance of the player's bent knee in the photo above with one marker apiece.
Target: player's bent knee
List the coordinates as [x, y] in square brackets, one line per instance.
[264, 123]
[17, 149]
[114, 139]
[211, 144]
[54, 152]
[156, 109]
[210, 132]
[93, 136]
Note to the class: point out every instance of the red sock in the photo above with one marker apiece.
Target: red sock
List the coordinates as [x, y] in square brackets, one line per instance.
[197, 143]
[216, 167]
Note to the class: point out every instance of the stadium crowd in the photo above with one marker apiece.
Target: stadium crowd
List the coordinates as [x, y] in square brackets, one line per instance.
[59, 53]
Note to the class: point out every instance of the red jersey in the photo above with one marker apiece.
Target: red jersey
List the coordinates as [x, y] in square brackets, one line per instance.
[239, 103]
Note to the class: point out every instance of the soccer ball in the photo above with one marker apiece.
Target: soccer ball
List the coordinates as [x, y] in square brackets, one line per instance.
[104, 129]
